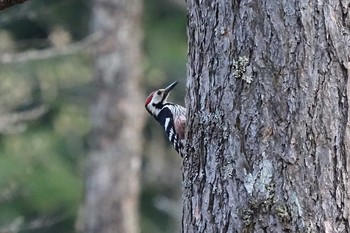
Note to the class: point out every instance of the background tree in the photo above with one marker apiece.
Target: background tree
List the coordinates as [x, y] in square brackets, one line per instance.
[268, 117]
[112, 185]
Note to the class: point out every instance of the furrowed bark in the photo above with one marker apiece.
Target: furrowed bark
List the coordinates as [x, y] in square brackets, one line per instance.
[268, 135]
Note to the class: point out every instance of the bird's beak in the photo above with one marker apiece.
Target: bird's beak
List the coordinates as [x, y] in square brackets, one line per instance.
[169, 88]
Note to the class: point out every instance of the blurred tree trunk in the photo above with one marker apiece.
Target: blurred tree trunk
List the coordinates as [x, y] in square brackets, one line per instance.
[112, 184]
[268, 117]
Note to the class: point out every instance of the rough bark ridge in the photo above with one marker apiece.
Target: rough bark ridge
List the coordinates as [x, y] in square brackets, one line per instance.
[268, 109]
[117, 116]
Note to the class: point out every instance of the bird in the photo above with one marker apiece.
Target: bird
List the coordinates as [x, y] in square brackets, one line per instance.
[172, 117]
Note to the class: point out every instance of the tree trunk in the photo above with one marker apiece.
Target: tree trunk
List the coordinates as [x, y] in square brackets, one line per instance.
[268, 135]
[112, 184]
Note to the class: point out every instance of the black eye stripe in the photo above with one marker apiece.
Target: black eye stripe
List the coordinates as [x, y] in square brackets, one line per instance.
[159, 92]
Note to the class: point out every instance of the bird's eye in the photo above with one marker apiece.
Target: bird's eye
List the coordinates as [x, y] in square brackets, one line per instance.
[159, 92]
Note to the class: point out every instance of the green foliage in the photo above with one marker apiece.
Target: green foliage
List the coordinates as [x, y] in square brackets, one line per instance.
[40, 172]
[153, 220]
[165, 45]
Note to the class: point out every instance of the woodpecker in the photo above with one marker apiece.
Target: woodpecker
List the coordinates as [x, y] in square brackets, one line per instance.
[172, 117]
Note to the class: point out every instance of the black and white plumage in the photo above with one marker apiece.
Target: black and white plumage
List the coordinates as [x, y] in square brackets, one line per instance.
[172, 117]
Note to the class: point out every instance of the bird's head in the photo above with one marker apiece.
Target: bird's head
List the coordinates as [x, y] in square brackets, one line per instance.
[156, 100]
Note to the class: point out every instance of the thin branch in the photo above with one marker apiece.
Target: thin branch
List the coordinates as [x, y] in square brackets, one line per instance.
[19, 224]
[45, 222]
[9, 120]
[8, 3]
[9, 192]
[48, 53]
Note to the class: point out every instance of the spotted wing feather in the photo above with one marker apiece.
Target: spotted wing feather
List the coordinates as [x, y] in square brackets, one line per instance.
[173, 119]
